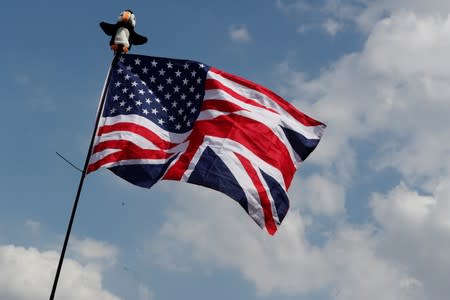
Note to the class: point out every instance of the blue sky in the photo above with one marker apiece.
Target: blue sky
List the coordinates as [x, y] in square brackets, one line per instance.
[370, 216]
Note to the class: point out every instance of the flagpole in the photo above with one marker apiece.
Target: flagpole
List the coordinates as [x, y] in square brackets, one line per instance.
[83, 175]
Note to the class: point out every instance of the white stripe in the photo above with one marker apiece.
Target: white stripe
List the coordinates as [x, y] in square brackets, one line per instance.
[136, 162]
[100, 155]
[139, 141]
[168, 136]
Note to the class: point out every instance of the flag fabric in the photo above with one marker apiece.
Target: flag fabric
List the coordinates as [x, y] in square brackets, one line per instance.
[172, 119]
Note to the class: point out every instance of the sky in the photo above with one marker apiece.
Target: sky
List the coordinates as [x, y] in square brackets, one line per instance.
[370, 207]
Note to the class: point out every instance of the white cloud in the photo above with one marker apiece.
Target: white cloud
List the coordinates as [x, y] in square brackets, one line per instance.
[332, 27]
[33, 226]
[319, 195]
[27, 274]
[239, 34]
[93, 250]
[416, 234]
[144, 293]
[211, 229]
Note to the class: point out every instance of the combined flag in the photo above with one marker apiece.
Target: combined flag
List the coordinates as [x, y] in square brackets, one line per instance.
[182, 120]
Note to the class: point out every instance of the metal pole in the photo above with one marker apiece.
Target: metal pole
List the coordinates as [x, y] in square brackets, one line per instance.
[80, 185]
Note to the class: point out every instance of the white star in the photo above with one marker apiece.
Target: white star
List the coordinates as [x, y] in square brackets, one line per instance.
[120, 71]
[154, 111]
[124, 90]
[164, 109]
[148, 101]
[122, 104]
[138, 103]
[143, 82]
[189, 104]
[152, 79]
[183, 97]
[150, 92]
[176, 89]
[145, 70]
[191, 89]
[127, 77]
[157, 100]
[193, 73]
[129, 68]
[188, 123]
[201, 66]
[193, 110]
[169, 65]
[129, 108]
[186, 65]
[169, 80]
[167, 96]
[162, 72]
[134, 83]
[137, 61]
[160, 88]
[178, 73]
[131, 96]
[180, 111]
[122, 59]
[185, 81]
[115, 98]
[174, 104]
[197, 96]
[145, 112]
[178, 126]
[171, 118]
[113, 110]
[199, 80]
[154, 63]
[161, 121]
[118, 83]
[141, 92]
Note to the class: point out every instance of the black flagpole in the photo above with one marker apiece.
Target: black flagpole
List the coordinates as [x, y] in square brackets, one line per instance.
[83, 175]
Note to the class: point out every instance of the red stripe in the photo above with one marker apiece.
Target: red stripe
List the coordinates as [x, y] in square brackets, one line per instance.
[213, 84]
[289, 108]
[262, 192]
[128, 151]
[253, 135]
[139, 130]
[220, 105]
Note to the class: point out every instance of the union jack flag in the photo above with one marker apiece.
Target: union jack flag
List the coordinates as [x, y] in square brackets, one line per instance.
[182, 120]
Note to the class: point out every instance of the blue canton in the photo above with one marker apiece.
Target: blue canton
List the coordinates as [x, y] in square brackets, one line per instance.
[168, 92]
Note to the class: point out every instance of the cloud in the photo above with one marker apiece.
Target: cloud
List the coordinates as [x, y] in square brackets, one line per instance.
[33, 226]
[319, 195]
[331, 27]
[93, 250]
[144, 293]
[239, 34]
[27, 273]
[211, 231]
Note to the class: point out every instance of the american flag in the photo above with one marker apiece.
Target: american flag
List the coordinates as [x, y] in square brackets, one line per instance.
[182, 120]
